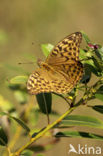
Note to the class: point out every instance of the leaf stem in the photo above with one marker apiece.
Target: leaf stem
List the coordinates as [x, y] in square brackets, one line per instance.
[17, 153]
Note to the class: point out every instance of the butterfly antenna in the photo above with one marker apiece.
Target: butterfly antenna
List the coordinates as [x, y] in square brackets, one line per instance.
[48, 119]
[26, 63]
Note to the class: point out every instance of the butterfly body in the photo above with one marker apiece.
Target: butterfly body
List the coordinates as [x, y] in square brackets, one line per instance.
[61, 70]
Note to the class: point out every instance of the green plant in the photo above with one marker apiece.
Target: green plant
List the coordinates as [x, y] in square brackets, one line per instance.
[92, 58]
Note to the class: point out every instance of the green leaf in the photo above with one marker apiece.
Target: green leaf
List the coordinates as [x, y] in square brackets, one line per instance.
[79, 120]
[5, 104]
[3, 137]
[21, 123]
[37, 148]
[82, 55]
[97, 63]
[98, 108]
[94, 69]
[88, 68]
[40, 154]
[99, 96]
[98, 54]
[100, 90]
[27, 153]
[85, 37]
[100, 50]
[87, 74]
[13, 86]
[21, 96]
[46, 48]
[19, 80]
[79, 134]
[45, 102]
[37, 132]
[3, 113]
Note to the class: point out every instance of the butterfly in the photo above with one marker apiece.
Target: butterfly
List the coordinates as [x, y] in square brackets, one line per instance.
[61, 70]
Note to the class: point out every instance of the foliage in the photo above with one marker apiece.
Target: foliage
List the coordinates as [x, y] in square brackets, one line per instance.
[27, 117]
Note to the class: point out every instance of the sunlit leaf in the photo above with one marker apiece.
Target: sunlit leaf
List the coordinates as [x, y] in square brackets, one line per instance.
[79, 120]
[21, 96]
[99, 96]
[82, 55]
[19, 80]
[100, 50]
[5, 104]
[27, 153]
[46, 48]
[85, 37]
[40, 154]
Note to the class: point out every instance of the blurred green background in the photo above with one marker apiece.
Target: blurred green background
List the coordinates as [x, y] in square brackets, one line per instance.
[25, 25]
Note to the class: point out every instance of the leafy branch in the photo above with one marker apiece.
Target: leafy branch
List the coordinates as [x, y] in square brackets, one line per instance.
[92, 58]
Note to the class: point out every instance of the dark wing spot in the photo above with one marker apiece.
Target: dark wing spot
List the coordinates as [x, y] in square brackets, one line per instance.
[60, 48]
[74, 40]
[44, 84]
[70, 48]
[65, 49]
[74, 48]
[69, 44]
[72, 74]
[74, 71]
[69, 53]
[56, 50]
[64, 42]
[76, 43]
[67, 58]
[74, 54]
[70, 38]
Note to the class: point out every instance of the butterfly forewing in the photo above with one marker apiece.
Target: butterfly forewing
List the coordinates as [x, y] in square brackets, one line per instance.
[62, 69]
[66, 51]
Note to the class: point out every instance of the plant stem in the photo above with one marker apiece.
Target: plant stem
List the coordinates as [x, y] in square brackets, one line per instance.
[86, 97]
[17, 153]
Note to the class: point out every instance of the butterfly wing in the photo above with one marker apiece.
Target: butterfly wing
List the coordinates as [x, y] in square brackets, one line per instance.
[49, 80]
[62, 69]
[66, 51]
[65, 55]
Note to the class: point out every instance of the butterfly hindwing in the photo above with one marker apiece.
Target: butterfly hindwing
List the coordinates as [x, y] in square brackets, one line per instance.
[43, 80]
